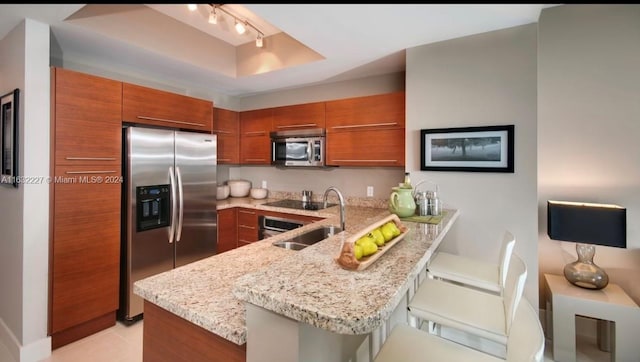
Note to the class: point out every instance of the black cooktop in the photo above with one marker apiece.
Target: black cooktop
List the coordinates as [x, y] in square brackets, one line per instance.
[298, 204]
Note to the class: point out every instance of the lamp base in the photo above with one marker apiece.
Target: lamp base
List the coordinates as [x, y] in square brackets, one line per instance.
[583, 272]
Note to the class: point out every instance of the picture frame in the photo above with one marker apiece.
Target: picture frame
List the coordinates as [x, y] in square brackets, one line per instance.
[9, 108]
[471, 149]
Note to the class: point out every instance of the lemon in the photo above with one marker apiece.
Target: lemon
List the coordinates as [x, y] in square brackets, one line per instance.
[358, 252]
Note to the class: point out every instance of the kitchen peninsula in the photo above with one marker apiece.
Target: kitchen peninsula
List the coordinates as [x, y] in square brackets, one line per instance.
[213, 309]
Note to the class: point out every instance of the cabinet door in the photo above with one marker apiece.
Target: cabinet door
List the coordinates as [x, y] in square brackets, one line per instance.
[371, 112]
[255, 141]
[87, 118]
[299, 116]
[86, 245]
[384, 147]
[225, 125]
[159, 108]
[247, 226]
[227, 230]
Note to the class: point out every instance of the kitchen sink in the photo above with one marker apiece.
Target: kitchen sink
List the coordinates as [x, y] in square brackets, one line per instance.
[310, 237]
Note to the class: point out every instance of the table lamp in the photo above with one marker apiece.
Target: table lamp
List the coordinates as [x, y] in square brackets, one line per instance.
[587, 224]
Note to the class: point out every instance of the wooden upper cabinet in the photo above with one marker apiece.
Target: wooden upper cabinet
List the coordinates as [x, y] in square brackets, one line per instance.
[159, 108]
[299, 116]
[370, 112]
[87, 118]
[226, 126]
[255, 141]
[366, 131]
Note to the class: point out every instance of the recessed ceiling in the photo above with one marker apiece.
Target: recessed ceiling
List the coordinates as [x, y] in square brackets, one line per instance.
[341, 41]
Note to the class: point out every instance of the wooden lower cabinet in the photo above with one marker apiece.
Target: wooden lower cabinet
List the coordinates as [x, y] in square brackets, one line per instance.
[227, 229]
[167, 337]
[247, 226]
[85, 257]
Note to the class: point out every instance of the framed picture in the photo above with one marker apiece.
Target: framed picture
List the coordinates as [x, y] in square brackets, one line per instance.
[9, 137]
[475, 149]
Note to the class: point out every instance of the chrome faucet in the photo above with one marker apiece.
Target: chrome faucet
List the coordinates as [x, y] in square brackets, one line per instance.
[324, 199]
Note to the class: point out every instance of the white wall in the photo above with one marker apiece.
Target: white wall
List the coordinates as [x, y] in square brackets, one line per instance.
[24, 216]
[589, 126]
[481, 80]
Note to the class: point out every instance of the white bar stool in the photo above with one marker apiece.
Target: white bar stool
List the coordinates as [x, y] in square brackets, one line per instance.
[525, 343]
[475, 273]
[472, 311]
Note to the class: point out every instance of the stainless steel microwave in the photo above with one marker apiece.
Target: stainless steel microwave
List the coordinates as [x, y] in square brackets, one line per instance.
[298, 147]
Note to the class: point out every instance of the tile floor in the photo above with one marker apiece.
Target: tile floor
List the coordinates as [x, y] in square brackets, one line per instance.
[122, 343]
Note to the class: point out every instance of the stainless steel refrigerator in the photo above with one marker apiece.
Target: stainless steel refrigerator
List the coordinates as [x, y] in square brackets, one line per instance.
[169, 216]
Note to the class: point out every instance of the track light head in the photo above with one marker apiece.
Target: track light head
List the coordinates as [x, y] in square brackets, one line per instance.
[259, 41]
[213, 16]
[240, 28]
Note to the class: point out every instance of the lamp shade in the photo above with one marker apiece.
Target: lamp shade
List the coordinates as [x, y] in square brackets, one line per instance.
[599, 224]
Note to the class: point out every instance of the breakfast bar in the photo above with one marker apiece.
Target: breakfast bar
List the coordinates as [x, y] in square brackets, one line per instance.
[261, 302]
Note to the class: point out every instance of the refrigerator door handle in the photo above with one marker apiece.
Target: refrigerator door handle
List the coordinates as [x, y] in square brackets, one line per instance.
[174, 208]
[181, 207]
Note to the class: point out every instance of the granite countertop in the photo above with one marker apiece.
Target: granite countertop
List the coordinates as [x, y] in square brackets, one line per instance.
[306, 285]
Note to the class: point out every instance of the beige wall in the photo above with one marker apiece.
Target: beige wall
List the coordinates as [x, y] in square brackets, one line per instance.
[24, 215]
[589, 126]
[481, 80]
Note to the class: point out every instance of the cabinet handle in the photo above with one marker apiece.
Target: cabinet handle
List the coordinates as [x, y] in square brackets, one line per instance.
[170, 121]
[246, 227]
[298, 125]
[365, 160]
[247, 212]
[221, 131]
[255, 159]
[255, 133]
[88, 172]
[90, 158]
[366, 125]
[224, 159]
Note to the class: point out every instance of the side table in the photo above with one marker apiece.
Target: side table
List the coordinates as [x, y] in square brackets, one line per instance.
[565, 301]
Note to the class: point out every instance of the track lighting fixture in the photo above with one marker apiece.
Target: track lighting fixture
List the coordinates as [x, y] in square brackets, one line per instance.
[240, 25]
[213, 16]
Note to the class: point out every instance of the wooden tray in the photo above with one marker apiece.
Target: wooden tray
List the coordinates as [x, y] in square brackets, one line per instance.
[347, 259]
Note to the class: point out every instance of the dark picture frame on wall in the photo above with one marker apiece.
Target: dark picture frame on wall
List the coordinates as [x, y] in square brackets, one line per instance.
[472, 149]
[9, 138]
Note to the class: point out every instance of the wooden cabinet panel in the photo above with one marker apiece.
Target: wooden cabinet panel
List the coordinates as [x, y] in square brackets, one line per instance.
[86, 245]
[299, 116]
[87, 118]
[384, 147]
[377, 111]
[255, 141]
[247, 225]
[366, 131]
[159, 108]
[226, 126]
[227, 230]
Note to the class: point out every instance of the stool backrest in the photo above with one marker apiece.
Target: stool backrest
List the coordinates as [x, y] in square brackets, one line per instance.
[508, 243]
[514, 288]
[526, 338]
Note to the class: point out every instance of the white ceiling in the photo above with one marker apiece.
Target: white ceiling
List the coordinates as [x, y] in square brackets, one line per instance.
[355, 40]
